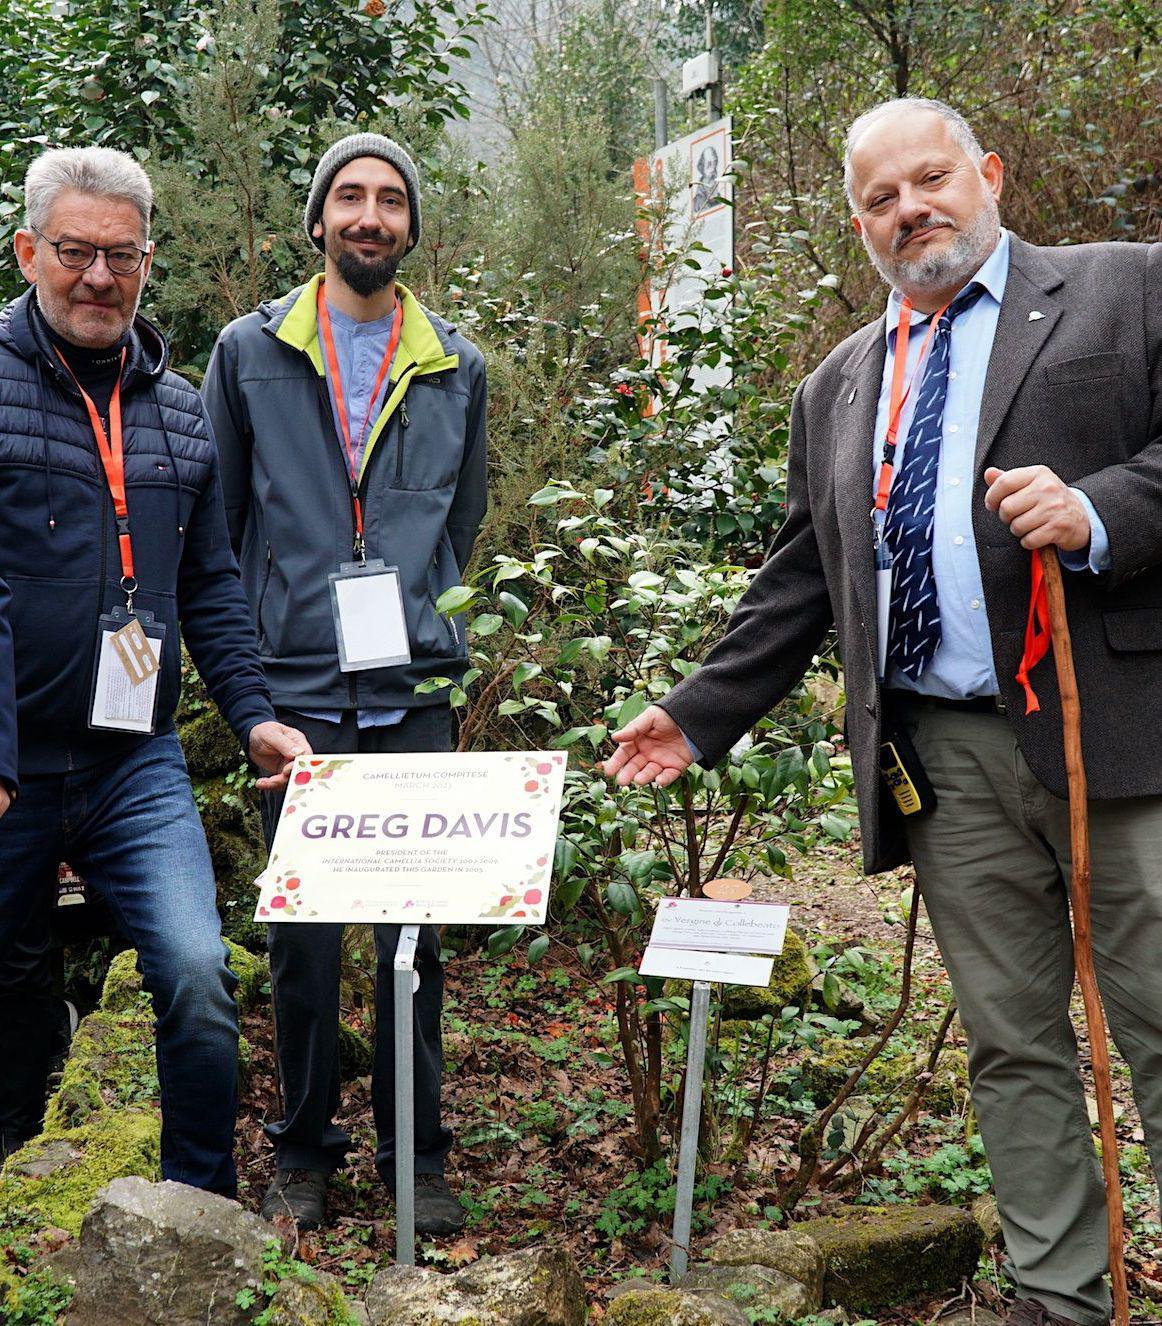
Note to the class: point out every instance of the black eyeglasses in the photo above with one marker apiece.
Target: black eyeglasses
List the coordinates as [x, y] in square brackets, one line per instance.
[77, 255]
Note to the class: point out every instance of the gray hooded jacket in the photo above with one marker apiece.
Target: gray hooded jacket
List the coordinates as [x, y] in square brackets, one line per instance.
[423, 491]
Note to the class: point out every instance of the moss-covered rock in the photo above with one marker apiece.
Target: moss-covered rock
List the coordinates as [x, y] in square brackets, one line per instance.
[673, 1307]
[828, 1065]
[355, 1052]
[208, 744]
[315, 1301]
[253, 972]
[758, 1290]
[790, 983]
[233, 828]
[56, 1175]
[878, 1256]
[122, 992]
[111, 1065]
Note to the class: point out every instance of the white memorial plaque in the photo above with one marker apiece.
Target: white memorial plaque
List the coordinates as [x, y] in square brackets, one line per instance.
[696, 965]
[461, 839]
[722, 927]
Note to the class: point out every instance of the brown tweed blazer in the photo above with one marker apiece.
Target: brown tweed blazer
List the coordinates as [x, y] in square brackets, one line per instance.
[1078, 389]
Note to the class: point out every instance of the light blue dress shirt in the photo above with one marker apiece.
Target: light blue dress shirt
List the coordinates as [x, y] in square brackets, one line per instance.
[962, 666]
[359, 348]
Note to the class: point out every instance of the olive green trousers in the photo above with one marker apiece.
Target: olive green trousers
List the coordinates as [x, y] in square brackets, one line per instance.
[992, 864]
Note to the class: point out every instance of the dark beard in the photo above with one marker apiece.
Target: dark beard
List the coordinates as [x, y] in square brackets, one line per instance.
[366, 278]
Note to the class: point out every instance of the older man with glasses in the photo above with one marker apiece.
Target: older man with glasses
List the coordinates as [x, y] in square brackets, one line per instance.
[114, 536]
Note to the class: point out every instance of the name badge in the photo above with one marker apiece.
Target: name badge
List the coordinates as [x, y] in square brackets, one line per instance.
[370, 626]
[126, 672]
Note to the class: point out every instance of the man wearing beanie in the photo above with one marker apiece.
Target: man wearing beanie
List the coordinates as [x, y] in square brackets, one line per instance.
[350, 425]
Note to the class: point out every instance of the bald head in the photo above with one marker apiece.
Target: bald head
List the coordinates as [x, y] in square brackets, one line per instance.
[924, 197]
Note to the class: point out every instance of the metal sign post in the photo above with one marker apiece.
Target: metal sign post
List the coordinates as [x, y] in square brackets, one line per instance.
[691, 1118]
[405, 1098]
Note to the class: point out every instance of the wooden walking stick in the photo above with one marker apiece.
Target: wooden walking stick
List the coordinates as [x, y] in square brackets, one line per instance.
[1082, 936]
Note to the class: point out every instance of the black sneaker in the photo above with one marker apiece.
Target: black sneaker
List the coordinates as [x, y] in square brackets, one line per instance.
[298, 1194]
[437, 1209]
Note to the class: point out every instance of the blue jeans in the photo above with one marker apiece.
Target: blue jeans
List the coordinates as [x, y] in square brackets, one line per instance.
[130, 828]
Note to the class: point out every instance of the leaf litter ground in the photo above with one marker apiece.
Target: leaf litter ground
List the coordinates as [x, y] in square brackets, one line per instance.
[545, 1140]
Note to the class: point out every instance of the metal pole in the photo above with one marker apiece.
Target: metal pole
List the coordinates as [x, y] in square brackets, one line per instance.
[714, 91]
[661, 128]
[405, 1098]
[691, 1117]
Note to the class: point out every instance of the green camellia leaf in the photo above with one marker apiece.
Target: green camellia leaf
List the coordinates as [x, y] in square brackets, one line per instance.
[538, 948]
[621, 897]
[455, 599]
[501, 941]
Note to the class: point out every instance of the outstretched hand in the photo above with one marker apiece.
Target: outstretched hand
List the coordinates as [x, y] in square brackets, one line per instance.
[651, 749]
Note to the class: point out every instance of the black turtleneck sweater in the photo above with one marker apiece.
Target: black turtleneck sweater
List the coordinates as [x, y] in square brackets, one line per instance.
[95, 370]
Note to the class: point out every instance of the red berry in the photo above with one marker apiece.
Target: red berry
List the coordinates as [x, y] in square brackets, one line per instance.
[302, 778]
[728, 271]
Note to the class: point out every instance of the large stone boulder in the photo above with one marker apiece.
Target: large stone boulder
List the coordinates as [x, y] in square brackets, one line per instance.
[878, 1256]
[673, 1307]
[790, 983]
[55, 1177]
[533, 1287]
[164, 1254]
[792, 1262]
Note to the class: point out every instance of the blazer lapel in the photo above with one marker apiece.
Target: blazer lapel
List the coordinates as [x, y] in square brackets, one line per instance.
[1027, 317]
[854, 423]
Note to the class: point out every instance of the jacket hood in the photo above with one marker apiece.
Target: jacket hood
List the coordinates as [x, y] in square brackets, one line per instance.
[20, 332]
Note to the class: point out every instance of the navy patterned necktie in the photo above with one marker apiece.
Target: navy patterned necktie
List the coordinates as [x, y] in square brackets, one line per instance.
[914, 633]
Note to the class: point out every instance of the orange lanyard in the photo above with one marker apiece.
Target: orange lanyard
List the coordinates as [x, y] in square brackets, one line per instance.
[341, 405]
[111, 451]
[899, 394]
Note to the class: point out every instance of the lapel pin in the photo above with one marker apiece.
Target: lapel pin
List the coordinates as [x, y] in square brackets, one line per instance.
[851, 397]
[1035, 315]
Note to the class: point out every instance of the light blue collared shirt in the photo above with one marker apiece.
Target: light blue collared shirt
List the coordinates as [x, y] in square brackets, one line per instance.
[359, 348]
[963, 663]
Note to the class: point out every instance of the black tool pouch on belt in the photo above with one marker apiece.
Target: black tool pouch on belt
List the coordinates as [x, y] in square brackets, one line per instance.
[904, 775]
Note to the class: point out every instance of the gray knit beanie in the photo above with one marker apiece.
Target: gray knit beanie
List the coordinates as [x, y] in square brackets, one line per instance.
[347, 149]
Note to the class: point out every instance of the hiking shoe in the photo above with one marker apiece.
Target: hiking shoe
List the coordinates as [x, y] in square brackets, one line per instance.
[1028, 1312]
[298, 1194]
[437, 1210]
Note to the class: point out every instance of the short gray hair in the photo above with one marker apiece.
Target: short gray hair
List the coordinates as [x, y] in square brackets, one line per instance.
[958, 127]
[99, 171]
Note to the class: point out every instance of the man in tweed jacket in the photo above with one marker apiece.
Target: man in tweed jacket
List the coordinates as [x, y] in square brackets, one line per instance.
[1050, 435]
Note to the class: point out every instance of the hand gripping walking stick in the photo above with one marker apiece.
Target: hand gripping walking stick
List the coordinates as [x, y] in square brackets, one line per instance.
[1082, 935]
